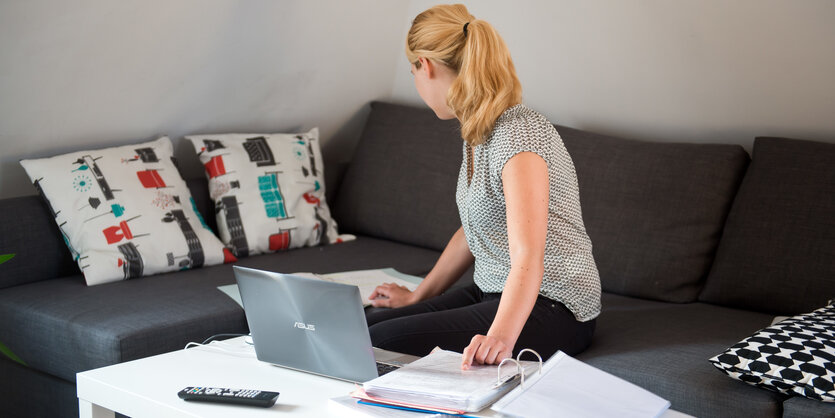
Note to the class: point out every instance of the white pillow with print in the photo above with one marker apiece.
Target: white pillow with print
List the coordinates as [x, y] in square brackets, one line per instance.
[125, 212]
[268, 189]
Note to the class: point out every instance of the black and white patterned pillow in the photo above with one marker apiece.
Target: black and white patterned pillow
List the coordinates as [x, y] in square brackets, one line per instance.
[794, 356]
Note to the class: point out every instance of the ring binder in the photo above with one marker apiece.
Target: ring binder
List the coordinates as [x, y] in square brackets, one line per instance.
[519, 369]
[437, 381]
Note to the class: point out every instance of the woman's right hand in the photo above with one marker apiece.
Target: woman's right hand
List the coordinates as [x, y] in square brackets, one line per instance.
[454, 261]
[392, 295]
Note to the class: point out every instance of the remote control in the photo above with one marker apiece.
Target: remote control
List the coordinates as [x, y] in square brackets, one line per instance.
[237, 396]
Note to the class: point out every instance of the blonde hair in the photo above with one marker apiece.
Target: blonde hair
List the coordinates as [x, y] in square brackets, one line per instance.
[486, 84]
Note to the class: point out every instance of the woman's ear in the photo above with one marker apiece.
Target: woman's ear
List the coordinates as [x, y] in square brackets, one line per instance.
[428, 66]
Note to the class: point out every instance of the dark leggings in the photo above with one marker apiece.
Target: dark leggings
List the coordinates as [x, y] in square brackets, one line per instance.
[452, 319]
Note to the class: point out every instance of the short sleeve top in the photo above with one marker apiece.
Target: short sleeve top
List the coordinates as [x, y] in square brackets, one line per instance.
[571, 275]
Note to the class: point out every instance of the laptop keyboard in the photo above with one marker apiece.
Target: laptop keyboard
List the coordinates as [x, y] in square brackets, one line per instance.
[383, 368]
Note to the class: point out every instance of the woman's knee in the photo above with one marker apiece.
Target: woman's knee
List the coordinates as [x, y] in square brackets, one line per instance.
[384, 331]
[375, 331]
[376, 315]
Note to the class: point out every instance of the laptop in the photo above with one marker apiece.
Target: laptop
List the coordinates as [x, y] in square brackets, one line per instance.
[312, 326]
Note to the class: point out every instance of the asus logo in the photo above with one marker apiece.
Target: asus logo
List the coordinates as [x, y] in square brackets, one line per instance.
[302, 325]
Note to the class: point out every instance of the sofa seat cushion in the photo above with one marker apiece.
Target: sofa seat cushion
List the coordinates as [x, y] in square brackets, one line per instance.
[800, 407]
[777, 252]
[665, 348]
[654, 211]
[62, 327]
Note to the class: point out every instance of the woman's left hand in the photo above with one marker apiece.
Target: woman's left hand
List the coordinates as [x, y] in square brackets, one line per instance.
[485, 349]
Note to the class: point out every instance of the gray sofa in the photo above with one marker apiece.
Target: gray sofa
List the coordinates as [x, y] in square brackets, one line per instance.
[698, 247]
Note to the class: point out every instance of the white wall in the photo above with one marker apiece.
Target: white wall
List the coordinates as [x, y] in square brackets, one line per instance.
[97, 73]
[684, 71]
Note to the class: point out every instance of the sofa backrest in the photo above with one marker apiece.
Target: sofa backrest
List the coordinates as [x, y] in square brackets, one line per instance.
[29, 234]
[654, 211]
[777, 252]
[400, 184]
[38, 252]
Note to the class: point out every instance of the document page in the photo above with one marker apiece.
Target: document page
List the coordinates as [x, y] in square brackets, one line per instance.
[570, 387]
[366, 280]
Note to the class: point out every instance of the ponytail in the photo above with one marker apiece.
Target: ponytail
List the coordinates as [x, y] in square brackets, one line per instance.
[486, 84]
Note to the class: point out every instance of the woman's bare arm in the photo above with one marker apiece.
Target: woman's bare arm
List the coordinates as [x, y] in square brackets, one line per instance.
[454, 261]
[526, 190]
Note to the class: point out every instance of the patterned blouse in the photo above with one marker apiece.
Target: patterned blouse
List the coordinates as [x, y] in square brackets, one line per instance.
[571, 275]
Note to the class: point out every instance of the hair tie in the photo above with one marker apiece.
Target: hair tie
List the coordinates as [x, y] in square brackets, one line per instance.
[465, 28]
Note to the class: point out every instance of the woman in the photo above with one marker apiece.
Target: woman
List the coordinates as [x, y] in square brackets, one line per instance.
[536, 283]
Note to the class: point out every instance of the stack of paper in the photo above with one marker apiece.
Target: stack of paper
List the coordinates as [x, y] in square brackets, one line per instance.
[346, 407]
[369, 400]
[438, 381]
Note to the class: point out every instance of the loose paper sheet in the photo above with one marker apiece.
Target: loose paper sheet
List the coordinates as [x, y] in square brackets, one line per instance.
[366, 280]
[577, 389]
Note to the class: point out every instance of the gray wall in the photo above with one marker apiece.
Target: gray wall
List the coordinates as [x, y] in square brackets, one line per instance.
[97, 73]
[684, 70]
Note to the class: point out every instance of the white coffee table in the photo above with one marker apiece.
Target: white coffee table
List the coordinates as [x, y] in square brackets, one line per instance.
[148, 387]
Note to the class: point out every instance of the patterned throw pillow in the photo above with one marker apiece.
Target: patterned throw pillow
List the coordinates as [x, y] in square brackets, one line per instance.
[268, 189]
[125, 212]
[794, 356]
